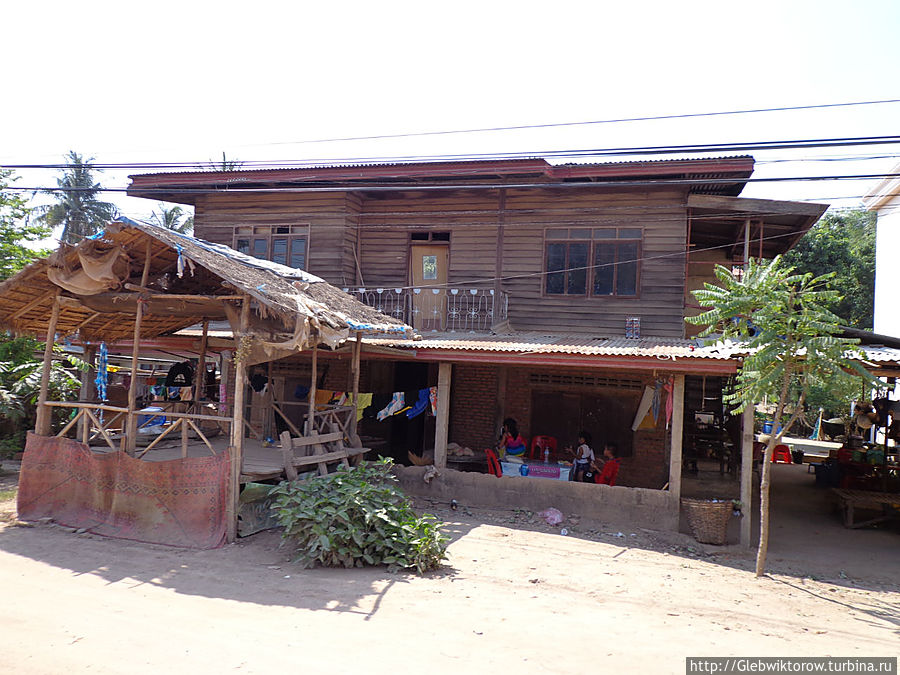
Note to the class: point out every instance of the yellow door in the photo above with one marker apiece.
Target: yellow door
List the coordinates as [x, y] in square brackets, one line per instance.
[428, 274]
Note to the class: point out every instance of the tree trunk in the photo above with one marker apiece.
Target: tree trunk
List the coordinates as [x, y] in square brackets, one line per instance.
[765, 479]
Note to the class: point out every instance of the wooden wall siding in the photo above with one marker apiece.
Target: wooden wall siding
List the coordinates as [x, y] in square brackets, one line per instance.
[352, 207]
[217, 215]
[661, 214]
[699, 274]
[470, 216]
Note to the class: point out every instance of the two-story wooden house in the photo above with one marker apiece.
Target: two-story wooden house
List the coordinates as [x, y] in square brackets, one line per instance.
[555, 295]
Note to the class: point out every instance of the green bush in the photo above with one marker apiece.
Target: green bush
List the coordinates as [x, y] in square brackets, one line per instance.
[357, 517]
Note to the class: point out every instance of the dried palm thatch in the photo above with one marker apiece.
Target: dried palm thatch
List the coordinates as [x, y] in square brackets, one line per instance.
[188, 279]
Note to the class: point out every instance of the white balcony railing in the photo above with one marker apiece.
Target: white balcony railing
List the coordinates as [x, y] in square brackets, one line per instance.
[454, 310]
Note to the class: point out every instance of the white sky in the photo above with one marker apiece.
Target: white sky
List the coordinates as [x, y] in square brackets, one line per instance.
[164, 81]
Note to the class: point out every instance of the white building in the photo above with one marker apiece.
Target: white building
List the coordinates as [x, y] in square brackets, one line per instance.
[884, 199]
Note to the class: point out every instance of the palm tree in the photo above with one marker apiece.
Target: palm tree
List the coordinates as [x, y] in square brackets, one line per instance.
[171, 219]
[77, 207]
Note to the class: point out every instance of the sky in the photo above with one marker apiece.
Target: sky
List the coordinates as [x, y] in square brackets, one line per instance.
[185, 81]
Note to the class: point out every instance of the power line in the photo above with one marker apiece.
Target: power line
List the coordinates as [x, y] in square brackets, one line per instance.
[693, 148]
[620, 120]
[461, 186]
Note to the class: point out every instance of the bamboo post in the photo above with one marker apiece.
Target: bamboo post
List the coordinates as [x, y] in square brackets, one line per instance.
[237, 425]
[87, 377]
[311, 416]
[200, 376]
[44, 417]
[746, 475]
[129, 439]
[357, 351]
[442, 419]
[677, 441]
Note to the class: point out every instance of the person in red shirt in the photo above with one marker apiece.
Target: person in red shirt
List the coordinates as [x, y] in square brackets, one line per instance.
[606, 473]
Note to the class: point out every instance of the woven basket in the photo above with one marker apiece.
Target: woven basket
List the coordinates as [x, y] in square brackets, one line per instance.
[708, 519]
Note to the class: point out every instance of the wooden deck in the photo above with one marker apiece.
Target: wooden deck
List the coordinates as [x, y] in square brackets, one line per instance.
[260, 463]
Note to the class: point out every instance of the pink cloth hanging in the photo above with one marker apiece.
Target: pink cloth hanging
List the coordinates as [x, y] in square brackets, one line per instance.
[669, 387]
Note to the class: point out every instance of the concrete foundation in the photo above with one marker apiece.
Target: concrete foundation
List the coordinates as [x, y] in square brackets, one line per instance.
[626, 506]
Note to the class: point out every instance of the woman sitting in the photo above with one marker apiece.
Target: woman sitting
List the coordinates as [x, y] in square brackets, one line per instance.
[511, 443]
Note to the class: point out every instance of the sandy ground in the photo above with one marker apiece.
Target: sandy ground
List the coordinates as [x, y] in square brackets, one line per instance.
[514, 594]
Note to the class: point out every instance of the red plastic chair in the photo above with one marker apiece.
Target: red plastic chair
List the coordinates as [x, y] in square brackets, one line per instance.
[539, 443]
[782, 453]
[493, 463]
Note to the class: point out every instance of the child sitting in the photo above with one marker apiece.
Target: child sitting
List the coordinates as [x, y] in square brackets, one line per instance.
[583, 455]
[511, 443]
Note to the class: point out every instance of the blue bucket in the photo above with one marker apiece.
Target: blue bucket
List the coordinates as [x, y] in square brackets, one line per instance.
[148, 421]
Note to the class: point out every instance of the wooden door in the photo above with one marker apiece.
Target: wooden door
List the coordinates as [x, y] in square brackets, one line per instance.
[428, 274]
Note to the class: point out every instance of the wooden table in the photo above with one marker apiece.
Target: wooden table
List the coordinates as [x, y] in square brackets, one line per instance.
[888, 503]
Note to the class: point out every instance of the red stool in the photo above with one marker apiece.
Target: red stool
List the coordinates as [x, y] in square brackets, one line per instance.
[541, 443]
[782, 453]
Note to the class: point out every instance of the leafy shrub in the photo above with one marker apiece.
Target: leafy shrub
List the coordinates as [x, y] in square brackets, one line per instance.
[357, 517]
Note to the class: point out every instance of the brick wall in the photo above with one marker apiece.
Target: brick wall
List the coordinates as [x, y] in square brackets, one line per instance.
[473, 405]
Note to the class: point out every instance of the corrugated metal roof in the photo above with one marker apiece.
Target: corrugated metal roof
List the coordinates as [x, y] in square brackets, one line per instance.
[542, 343]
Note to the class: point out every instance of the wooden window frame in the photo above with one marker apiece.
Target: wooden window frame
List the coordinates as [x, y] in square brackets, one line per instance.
[554, 235]
[268, 232]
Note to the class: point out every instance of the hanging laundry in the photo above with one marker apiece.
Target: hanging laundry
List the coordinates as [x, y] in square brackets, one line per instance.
[259, 382]
[397, 404]
[363, 401]
[657, 400]
[669, 387]
[102, 375]
[379, 401]
[432, 397]
[323, 396]
[420, 404]
[301, 391]
[180, 375]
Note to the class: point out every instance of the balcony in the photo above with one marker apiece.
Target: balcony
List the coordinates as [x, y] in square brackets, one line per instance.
[428, 309]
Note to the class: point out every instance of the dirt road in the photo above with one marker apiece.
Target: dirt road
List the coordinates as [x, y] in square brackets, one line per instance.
[509, 598]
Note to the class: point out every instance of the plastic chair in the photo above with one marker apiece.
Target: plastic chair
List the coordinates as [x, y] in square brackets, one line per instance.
[493, 463]
[539, 444]
[782, 453]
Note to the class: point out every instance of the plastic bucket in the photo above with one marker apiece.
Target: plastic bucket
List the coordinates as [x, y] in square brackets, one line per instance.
[767, 427]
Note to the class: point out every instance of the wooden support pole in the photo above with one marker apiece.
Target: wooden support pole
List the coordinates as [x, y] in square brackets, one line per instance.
[311, 415]
[44, 417]
[746, 243]
[87, 378]
[442, 419]
[237, 425]
[677, 443]
[357, 352]
[200, 376]
[747, 476]
[129, 438]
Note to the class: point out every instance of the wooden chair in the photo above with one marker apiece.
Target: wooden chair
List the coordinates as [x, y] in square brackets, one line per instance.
[318, 450]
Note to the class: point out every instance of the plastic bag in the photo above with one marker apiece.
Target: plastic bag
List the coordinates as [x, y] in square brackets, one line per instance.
[552, 516]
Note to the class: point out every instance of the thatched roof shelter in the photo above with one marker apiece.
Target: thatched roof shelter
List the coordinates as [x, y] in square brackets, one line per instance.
[99, 283]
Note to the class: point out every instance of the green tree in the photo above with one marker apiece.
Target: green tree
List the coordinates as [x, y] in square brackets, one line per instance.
[792, 343]
[77, 209]
[842, 242]
[16, 229]
[173, 218]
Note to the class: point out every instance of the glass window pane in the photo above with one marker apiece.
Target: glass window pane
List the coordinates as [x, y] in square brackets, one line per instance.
[556, 260]
[629, 233]
[279, 251]
[605, 233]
[578, 260]
[243, 245]
[429, 267]
[604, 271]
[298, 253]
[626, 280]
[579, 234]
[260, 248]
